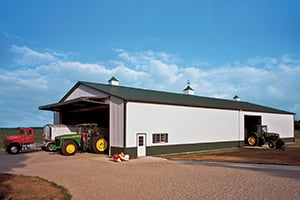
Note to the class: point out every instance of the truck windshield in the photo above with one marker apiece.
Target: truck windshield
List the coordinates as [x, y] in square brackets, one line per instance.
[23, 132]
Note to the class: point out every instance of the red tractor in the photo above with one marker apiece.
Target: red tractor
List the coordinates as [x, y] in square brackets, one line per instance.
[23, 140]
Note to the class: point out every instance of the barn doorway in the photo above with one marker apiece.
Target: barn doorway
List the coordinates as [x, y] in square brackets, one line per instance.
[84, 110]
[250, 124]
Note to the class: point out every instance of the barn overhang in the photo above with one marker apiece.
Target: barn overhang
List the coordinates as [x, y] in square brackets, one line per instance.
[77, 104]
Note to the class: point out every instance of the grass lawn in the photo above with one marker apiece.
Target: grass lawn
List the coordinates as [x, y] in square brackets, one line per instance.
[28, 187]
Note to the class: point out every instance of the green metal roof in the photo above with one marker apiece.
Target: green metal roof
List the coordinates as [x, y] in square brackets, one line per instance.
[152, 96]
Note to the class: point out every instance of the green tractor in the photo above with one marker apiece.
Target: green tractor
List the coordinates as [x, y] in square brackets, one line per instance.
[88, 138]
[259, 135]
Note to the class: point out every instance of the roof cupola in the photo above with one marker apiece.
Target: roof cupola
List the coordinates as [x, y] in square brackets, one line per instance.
[113, 81]
[188, 89]
[236, 98]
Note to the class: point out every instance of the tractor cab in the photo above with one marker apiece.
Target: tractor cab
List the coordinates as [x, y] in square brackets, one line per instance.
[264, 129]
[89, 128]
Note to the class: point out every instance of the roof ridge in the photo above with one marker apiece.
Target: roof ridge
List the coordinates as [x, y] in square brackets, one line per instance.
[158, 91]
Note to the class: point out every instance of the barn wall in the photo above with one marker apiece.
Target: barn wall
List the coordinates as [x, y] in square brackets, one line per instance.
[84, 91]
[282, 124]
[116, 118]
[184, 125]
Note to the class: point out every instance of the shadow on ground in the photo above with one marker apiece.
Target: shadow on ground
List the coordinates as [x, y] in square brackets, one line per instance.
[8, 163]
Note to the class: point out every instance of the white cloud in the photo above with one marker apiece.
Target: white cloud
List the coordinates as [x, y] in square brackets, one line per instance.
[11, 36]
[49, 75]
[27, 56]
[265, 61]
[164, 73]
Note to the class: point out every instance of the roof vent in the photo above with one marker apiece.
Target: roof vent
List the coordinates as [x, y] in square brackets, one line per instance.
[236, 98]
[188, 89]
[113, 81]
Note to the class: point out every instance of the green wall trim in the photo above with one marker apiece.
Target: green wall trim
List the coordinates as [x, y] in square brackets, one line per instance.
[167, 149]
[114, 150]
[131, 151]
[156, 150]
[288, 140]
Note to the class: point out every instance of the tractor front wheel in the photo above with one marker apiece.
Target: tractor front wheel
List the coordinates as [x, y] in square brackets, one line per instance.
[271, 144]
[252, 140]
[69, 148]
[99, 144]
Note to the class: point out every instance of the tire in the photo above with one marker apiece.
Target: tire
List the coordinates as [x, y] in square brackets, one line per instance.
[252, 140]
[69, 148]
[48, 146]
[271, 145]
[99, 144]
[280, 144]
[13, 149]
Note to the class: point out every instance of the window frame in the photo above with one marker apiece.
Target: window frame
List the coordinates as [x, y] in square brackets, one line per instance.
[160, 138]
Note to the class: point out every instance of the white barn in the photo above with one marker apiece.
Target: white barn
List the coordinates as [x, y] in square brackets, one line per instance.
[146, 122]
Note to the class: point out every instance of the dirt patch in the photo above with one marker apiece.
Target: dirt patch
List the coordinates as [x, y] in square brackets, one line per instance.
[259, 155]
[27, 187]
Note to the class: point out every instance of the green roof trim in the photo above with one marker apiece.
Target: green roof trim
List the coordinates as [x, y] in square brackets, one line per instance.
[188, 88]
[113, 79]
[159, 97]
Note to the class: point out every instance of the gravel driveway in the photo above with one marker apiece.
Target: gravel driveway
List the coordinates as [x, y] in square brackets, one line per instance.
[90, 176]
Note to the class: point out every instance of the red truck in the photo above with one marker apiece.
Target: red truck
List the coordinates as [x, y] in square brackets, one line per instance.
[23, 140]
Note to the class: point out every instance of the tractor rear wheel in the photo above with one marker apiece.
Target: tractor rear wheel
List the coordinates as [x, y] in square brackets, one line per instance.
[69, 148]
[252, 140]
[99, 144]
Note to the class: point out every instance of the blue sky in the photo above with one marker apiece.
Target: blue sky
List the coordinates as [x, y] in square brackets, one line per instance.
[225, 48]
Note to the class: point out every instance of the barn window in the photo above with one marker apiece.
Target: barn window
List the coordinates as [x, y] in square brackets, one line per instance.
[159, 137]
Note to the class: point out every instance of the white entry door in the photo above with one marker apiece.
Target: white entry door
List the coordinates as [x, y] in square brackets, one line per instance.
[141, 144]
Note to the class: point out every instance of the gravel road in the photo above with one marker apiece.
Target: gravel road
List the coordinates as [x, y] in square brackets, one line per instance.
[90, 176]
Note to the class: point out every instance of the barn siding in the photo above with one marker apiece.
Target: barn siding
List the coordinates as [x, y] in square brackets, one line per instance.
[84, 91]
[184, 125]
[116, 118]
